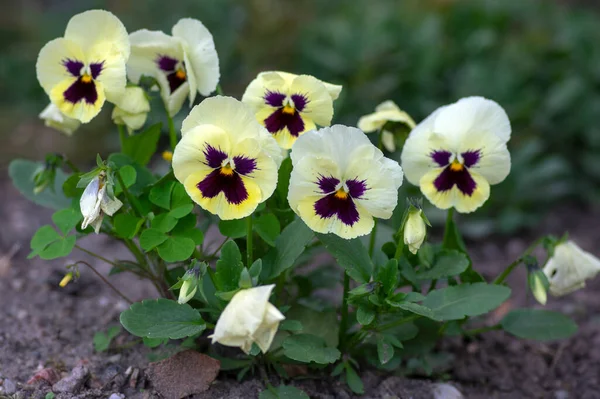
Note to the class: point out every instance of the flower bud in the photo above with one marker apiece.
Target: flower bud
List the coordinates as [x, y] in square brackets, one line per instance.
[55, 119]
[95, 203]
[131, 109]
[248, 318]
[167, 156]
[538, 284]
[415, 229]
[66, 279]
[569, 267]
[189, 287]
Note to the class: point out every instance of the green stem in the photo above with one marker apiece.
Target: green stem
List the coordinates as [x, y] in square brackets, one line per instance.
[172, 132]
[249, 244]
[219, 90]
[448, 230]
[132, 200]
[372, 240]
[344, 321]
[95, 255]
[397, 323]
[106, 281]
[400, 245]
[122, 136]
[480, 330]
[502, 276]
[71, 165]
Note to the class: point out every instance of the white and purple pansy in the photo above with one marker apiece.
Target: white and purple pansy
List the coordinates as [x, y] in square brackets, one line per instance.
[289, 105]
[341, 181]
[184, 64]
[86, 67]
[458, 152]
[227, 162]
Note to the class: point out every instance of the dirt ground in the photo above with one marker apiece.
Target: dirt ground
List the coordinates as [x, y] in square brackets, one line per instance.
[43, 327]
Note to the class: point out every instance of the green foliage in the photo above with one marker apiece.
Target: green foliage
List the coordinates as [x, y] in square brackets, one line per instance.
[162, 318]
[67, 219]
[48, 244]
[351, 255]
[538, 324]
[288, 247]
[268, 228]
[103, 339]
[22, 172]
[283, 392]
[309, 348]
[235, 228]
[126, 225]
[229, 267]
[141, 146]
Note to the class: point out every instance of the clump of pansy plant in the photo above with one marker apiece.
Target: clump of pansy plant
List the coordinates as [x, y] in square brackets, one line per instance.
[229, 222]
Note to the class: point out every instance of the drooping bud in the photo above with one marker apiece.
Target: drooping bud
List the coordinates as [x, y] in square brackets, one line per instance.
[95, 202]
[66, 279]
[189, 286]
[132, 109]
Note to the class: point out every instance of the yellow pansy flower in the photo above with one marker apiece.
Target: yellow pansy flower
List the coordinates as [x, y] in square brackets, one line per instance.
[385, 112]
[227, 162]
[86, 67]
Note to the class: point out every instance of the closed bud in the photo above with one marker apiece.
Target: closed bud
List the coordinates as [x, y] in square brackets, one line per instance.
[66, 279]
[415, 229]
[538, 284]
[167, 156]
[132, 109]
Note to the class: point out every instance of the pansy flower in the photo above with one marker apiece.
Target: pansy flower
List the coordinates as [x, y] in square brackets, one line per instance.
[341, 181]
[289, 105]
[132, 109]
[385, 113]
[184, 64]
[569, 268]
[227, 162]
[458, 152]
[87, 66]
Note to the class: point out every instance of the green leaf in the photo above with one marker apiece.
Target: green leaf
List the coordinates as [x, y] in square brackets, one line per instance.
[453, 240]
[43, 236]
[160, 195]
[67, 219]
[229, 267]
[164, 222]
[144, 177]
[268, 228]
[151, 238]
[176, 249]
[102, 340]
[129, 175]
[179, 196]
[288, 247]
[353, 380]
[388, 276]
[126, 225]
[351, 255]
[365, 315]
[70, 188]
[413, 308]
[283, 392]
[309, 348]
[538, 324]
[290, 325]
[162, 318]
[456, 302]
[59, 248]
[235, 228]
[385, 350]
[21, 173]
[447, 263]
[154, 342]
[181, 211]
[140, 147]
[194, 234]
[283, 182]
[321, 323]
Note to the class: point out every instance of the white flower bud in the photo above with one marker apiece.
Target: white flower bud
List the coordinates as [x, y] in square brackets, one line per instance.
[538, 285]
[248, 318]
[57, 120]
[568, 269]
[95, 203]
[415, 230]
[131, 109]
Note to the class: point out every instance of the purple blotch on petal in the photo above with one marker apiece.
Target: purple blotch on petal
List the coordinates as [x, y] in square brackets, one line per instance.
[471, 157]
[175, 81]
[244, 165]
[300, 101]
[230, 185]
[79, 91]
[449, 178]
[441, 157]
[327, 184]
[279, 120]
[274, 98]
[73, 66]
[96, 68]
[356, 188]
[166, 63]
[345, 209]
[214, 157]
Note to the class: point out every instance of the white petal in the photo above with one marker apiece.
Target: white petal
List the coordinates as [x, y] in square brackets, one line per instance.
[254, 96]
[55, 119]
[110, 205]
[146, 46]
[320, 105]
[568, 269]
[49, 66]
[494, 162]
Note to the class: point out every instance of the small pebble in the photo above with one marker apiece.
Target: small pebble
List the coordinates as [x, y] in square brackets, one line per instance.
[9, 387]
[116, 396]
[445, 391]
[562, 394]
[73, 382]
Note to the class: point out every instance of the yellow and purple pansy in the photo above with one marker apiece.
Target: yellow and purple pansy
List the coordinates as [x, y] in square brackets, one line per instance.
[289, 105]
[457, 152]
[340, 181]
[227, 162]
[184, 64]
[86, 67]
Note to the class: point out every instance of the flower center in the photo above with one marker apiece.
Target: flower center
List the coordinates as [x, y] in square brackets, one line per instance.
[456, 166]
[341, 194]
[288, 109]
[86, 78]
[227, 170]
[180, 74]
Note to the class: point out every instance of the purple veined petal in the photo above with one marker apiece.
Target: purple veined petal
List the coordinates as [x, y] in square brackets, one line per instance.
[274, 98]
[344, 208]
[81, 90]
[279, 120]
[166, 63]
[300, 101]
[441, 157]
[214, 156]
[327, 184]
[356, 188]
[73, 66]
[231, 185]
[96, 68]
[471, 157]
[462, 179]
[244, 165]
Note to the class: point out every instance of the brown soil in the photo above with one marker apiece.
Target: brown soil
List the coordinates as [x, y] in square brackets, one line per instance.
[42, 326]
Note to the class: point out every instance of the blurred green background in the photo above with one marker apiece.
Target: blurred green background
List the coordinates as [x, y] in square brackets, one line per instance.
[538, 59]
